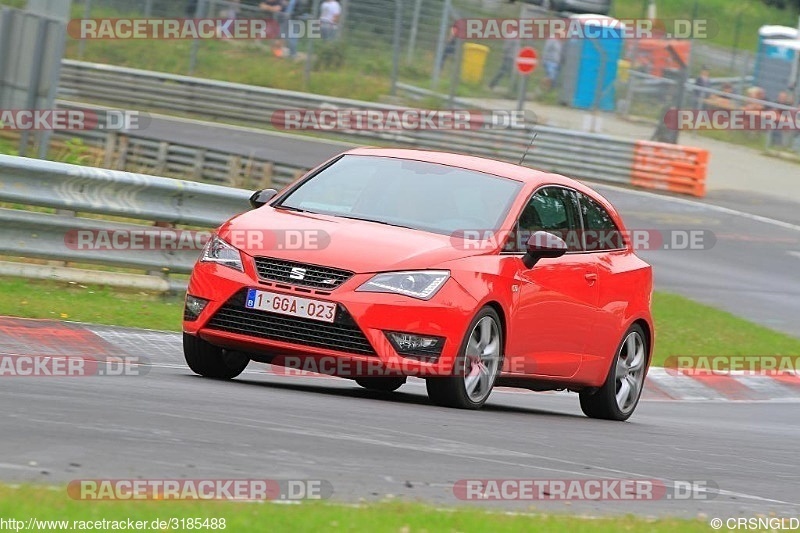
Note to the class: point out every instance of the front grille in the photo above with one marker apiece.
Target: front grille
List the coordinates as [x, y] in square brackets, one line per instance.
[343, 334]
[318, 277]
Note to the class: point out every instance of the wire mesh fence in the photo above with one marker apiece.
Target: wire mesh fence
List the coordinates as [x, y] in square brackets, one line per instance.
[363, 48]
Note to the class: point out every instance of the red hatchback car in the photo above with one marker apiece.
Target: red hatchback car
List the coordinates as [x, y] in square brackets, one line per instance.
[464, 271]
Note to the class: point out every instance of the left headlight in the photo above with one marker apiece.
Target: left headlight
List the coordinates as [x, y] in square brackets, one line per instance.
[219, 251]
[422, 284]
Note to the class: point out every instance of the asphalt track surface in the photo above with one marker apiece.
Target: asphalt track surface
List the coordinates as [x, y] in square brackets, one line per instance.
[171, 423]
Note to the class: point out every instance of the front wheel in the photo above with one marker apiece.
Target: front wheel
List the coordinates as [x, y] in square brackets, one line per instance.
[619, 395]
[477, 366]
[212, 361]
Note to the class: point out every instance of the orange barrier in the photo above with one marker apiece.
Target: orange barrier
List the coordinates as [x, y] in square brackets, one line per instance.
[669, 167]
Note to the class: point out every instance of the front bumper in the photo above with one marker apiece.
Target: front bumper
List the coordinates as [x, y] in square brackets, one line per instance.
[446, 315]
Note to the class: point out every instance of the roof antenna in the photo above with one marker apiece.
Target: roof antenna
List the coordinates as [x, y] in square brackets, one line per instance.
[522, 159]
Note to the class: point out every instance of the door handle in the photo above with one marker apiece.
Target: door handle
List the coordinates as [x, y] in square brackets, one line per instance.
[590, 278]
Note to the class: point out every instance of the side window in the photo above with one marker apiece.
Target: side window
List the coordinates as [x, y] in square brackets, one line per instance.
[552, 209]
[601, 231]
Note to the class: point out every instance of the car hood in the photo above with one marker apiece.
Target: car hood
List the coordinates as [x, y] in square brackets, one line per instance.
[355, 245]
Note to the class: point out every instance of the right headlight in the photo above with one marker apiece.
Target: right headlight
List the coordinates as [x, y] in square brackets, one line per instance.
[422, 284]
[219, 251]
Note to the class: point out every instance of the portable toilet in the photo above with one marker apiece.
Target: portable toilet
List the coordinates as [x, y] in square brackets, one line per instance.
[589, 62]
[773, 68]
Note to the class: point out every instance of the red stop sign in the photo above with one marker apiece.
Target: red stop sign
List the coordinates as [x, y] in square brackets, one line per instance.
[526, 60]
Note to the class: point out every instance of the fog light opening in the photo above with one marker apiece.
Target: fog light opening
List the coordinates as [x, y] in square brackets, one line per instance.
[193, 307]
[417, 346]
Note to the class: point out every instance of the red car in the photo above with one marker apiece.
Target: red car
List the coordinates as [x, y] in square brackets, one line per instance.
[464, 271]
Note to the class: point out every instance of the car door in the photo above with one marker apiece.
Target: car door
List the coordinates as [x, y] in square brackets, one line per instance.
[556, 300]
[605, 246]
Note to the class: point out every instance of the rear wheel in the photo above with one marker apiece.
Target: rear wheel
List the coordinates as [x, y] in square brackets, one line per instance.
[477, 366]
[382, 384]
[619, 395]
[212, 361]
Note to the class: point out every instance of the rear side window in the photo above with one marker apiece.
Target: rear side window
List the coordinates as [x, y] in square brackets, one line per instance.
[552, 209]
[601, 233]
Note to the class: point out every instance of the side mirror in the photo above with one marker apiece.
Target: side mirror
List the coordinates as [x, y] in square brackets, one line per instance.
[261, 197]
[543, 244]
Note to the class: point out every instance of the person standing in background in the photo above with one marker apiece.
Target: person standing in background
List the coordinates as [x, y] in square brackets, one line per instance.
[702, 82]
[450, 47]
[287, 29]
[551, 59]
[510, 48]
[281, 12]
[329, 13]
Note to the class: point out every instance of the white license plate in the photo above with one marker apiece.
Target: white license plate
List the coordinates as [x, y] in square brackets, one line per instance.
[290, 305]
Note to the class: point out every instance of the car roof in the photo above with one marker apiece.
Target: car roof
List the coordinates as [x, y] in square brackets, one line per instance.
[469, 162]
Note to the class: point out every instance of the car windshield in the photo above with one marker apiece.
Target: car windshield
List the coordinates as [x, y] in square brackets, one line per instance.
[402, 192]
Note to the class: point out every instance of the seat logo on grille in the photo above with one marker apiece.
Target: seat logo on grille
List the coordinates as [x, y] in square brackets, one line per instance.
[298, 273]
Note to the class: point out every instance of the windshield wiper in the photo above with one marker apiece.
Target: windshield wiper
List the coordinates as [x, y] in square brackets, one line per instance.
[290, 208]
[376, 221]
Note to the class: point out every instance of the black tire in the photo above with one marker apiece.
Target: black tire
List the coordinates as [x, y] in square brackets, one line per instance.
[602, 403]
[451, 391]
[383, 384]
[211, 361]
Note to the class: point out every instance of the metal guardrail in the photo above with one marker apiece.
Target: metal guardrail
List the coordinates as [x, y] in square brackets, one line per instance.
[577, 154]
[76, 190]
[136, 152]
[94, 190]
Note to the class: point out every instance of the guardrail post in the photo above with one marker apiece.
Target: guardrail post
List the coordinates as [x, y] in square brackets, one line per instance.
[161, 161]
[108, 151]
[267, 172]
[199, 160]
[235, 178]
[122, 152]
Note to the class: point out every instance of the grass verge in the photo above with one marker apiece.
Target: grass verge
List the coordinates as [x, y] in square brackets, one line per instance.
[86, 303]
[683, 327]
[53, 504]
